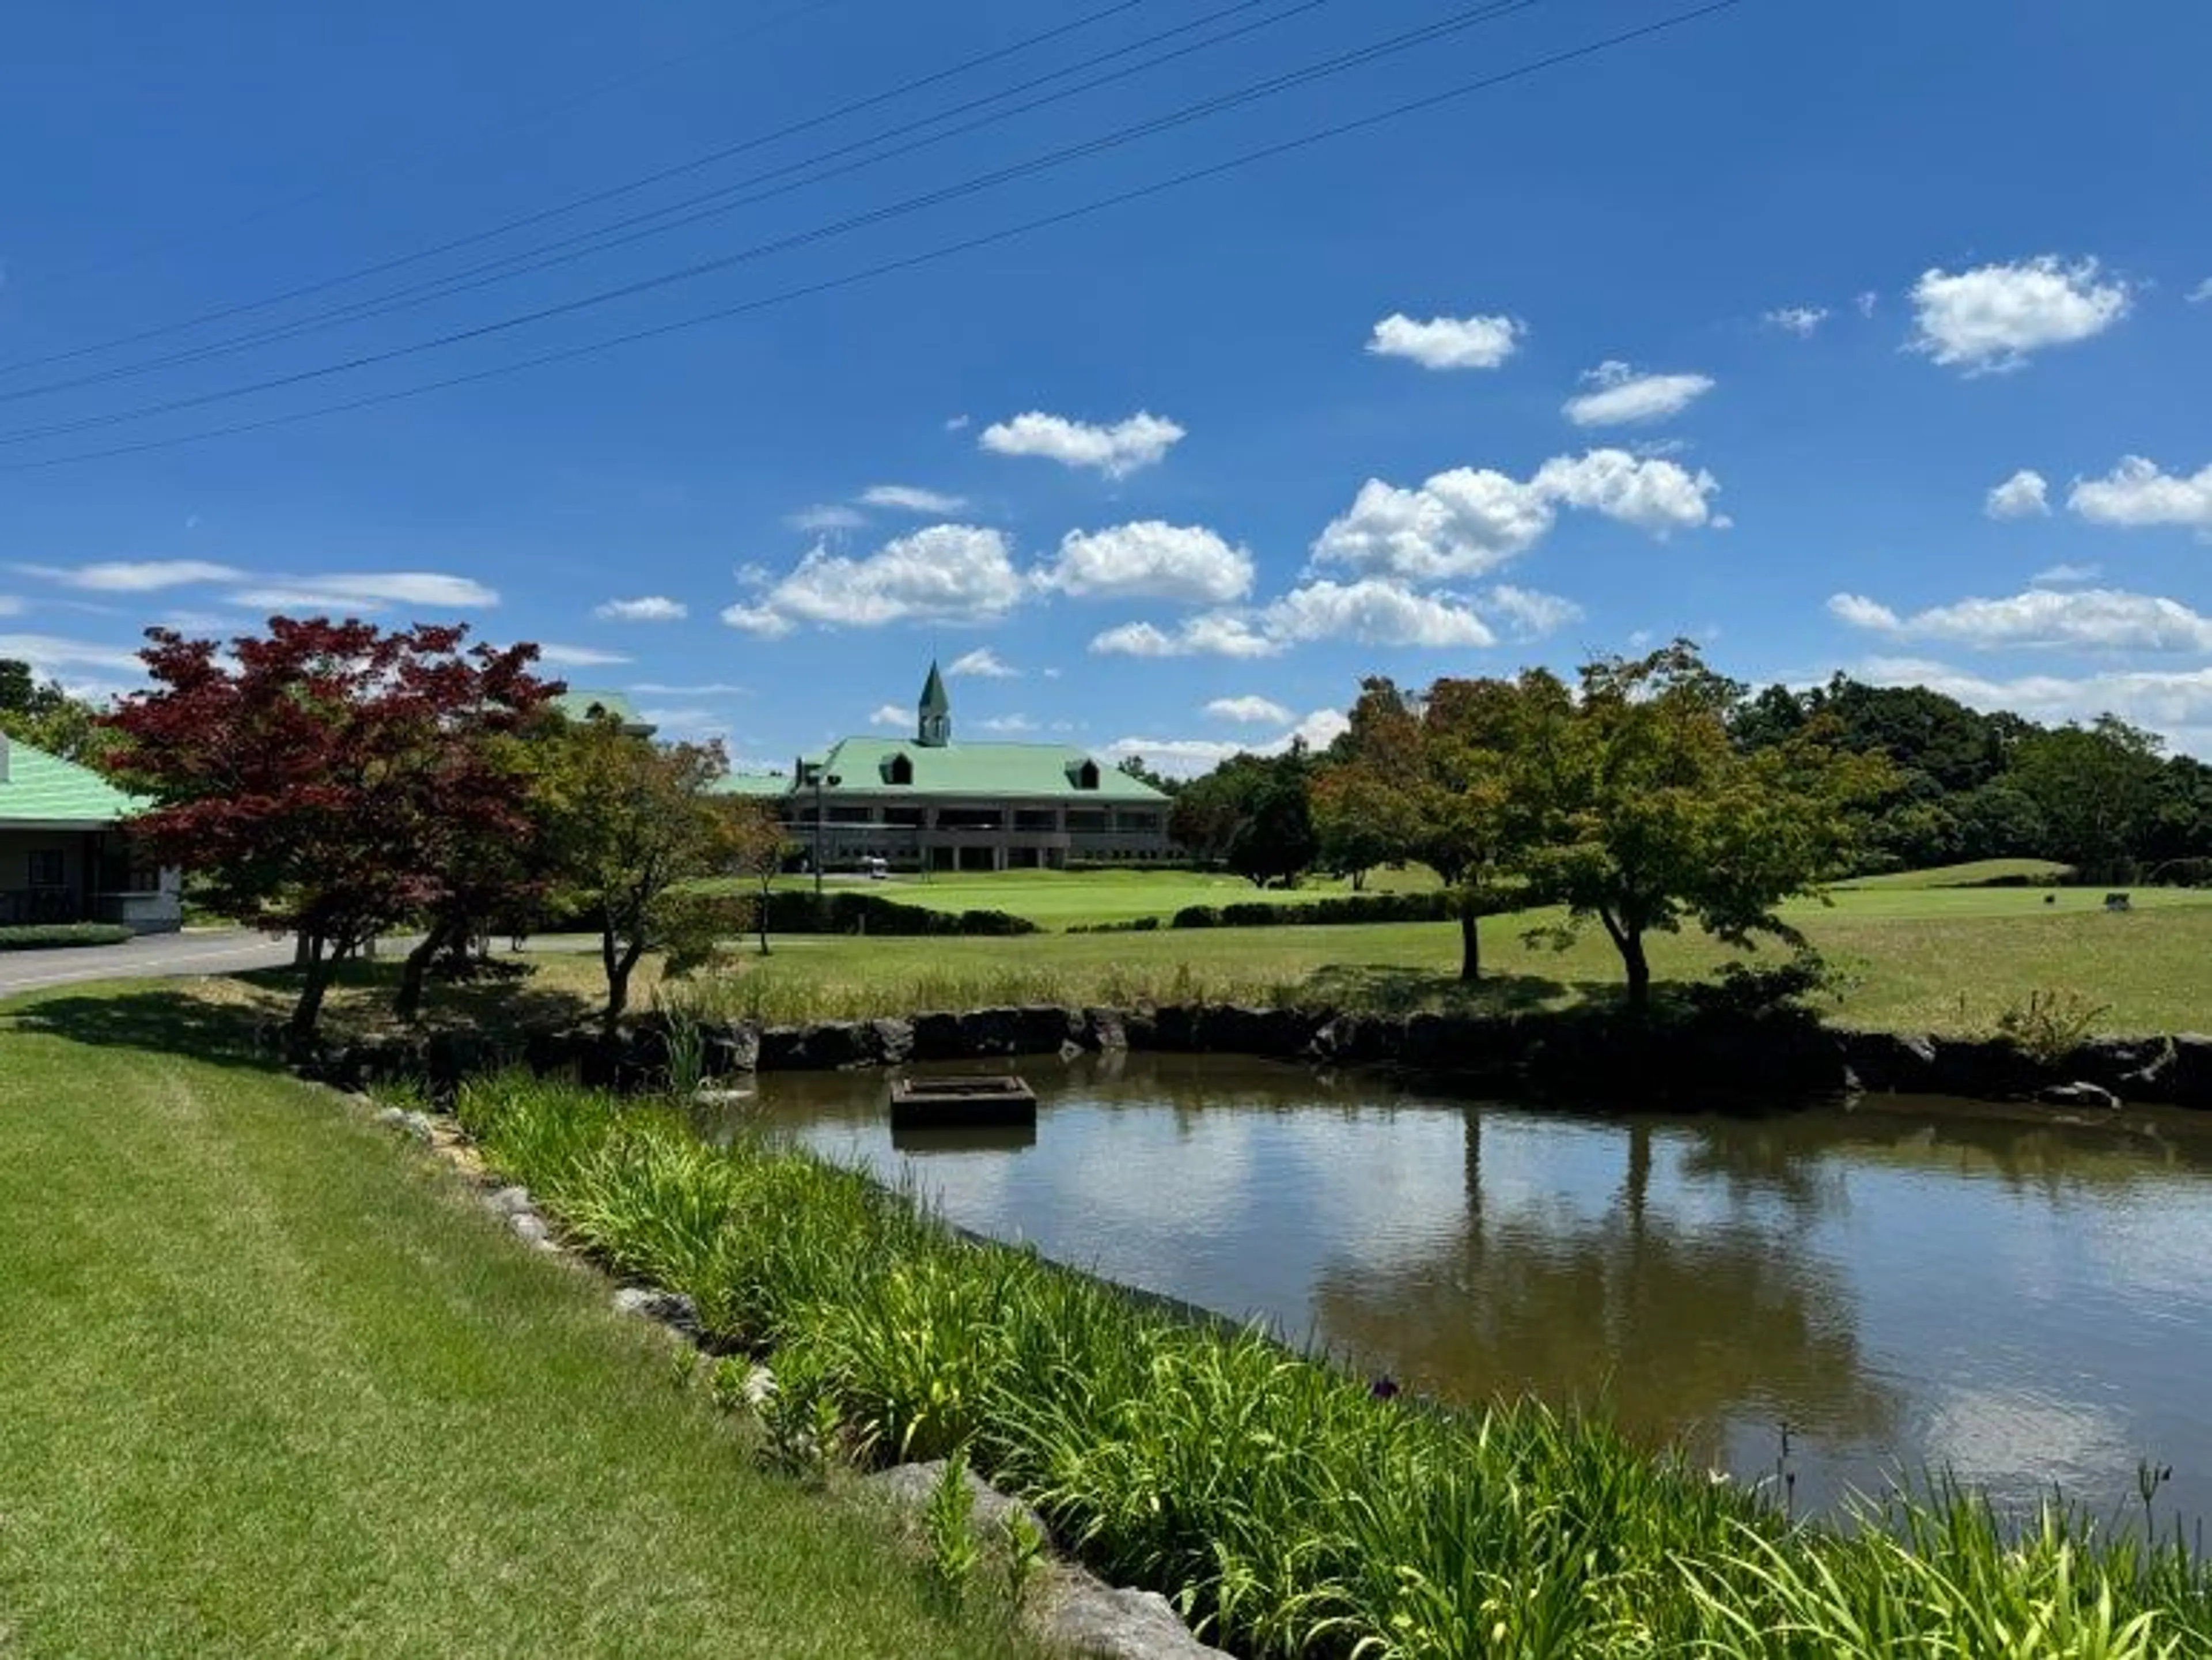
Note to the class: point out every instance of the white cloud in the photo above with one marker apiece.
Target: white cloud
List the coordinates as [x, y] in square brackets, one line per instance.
[577, 657]
[956, 423]
[1653, 495]
[1374, 612]
[1007, 723]
[1459, 522]
[1215, 634]
[2201, 293]
[1117, 450]
[982, 662]
[1251, 710]
[48, 652]
[651, 608]
[1622, 396]
[135, 577]
[907, 498]
[826, 516]
[11, 605]
[2096, 619]
[1993, 318]
[762, 622]
[1866, 301]
[709, 689]
[890, 714]
[687, 722]
[2176, 702]
[2021, 497]
[1150, 559]
[1799, 320]
[1447, 342]
[1532, 615]
[947, 573]
[2136, 493]
[2063, 576]
[365, 591]
[1186, 757]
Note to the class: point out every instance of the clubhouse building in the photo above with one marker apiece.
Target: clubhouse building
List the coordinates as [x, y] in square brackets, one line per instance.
[929, 803]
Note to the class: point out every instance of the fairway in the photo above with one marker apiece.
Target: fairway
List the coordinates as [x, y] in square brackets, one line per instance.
[274, 1388]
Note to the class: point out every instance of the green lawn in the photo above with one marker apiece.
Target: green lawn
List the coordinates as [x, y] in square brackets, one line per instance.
[271, 1388]
[1060, 899]
[1947, 960]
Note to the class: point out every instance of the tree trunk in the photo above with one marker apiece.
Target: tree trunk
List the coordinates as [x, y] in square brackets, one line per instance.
[318, 967]
[761, 918]
[1470, 944]
[1628, 939]
[1359, 880]
[408, 1003]
[1640, 970]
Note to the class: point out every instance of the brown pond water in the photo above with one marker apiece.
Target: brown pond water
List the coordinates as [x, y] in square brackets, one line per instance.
[1913, 1284]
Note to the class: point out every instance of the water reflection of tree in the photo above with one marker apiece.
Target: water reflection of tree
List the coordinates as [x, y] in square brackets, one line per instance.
[1680, 1328]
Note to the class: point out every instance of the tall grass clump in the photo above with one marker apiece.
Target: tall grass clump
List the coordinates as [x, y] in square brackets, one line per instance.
[1281, 1506]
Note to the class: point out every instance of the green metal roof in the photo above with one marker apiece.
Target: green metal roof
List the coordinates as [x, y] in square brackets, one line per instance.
[583, 703]
[40, 788]
[862, 766]
[773, 784]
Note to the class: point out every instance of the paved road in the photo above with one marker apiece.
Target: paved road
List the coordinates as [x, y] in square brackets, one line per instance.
[218, 950]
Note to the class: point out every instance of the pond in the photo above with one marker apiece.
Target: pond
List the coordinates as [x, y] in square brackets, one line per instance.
[1824, 1298]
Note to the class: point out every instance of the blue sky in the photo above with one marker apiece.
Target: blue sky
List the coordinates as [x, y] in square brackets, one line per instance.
[1869, 337]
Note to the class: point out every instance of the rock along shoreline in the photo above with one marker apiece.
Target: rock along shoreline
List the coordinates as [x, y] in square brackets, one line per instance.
[1710, 1056]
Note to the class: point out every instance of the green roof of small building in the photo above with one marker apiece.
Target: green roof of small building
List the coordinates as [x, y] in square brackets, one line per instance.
[39, 789]
[863, 766]
[584, 704]
[773, 784]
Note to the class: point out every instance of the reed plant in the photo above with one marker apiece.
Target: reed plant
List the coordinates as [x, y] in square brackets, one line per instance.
[1280, 1506]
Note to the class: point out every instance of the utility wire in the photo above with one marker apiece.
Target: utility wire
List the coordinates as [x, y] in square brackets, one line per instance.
[1268, 87]
[944, 251]
[401, 166]
[577, 203]
[725, 199]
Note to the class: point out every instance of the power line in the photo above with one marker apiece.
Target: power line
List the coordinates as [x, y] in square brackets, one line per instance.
[726, 198]
[1321, 70]
[390, 169]
[577, 203]
[944, 251]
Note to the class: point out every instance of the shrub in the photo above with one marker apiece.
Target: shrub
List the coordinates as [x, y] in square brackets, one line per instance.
[1347, 909]
[2050, 1026]
[49, 936]
[1196, 916]
[792, 910]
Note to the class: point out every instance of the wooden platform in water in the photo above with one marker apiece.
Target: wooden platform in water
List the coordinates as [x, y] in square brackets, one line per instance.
[948, 1101]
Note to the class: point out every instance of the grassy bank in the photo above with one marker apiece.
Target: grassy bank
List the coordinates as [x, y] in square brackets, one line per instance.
[269, 1390]
[1283, 1507]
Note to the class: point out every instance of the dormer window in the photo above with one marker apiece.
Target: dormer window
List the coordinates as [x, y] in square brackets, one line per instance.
[899, 769]
[1083, 774]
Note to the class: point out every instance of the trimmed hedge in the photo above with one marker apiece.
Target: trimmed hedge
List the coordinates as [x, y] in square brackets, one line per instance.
[1347, 909]
[51, 936]
[846, 910]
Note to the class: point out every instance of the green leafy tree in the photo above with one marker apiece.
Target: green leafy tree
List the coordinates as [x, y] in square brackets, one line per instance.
[759, 848]
[2097, 787]
[1275, 842]
[629, 823]
[1648, 815]
[43, 715]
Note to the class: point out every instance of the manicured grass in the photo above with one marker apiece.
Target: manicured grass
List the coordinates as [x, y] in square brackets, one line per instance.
[1060, 899]
[271, 1388]
[1942, 960]
[1978, 873]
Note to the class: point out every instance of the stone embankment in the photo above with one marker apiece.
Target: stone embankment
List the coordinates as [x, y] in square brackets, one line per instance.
[1592, 1054]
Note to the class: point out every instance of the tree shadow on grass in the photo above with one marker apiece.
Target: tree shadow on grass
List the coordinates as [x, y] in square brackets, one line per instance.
[161, 1019]
[239, 1019]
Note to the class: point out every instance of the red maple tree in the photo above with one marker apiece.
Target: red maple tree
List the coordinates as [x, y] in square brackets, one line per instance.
[334, 781]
